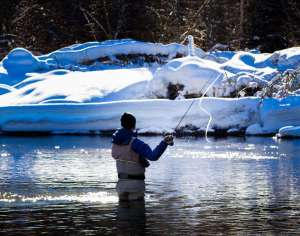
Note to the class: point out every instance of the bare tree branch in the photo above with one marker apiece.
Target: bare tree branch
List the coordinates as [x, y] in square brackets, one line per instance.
[24, 13]
[96, 21]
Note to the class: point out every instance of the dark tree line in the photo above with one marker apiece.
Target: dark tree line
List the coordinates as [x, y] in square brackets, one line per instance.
[42, 26]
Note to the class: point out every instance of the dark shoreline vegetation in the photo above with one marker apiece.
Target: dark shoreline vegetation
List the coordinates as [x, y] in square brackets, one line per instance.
[44, 26]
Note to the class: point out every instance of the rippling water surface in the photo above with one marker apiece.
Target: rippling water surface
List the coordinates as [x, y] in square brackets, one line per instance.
[65, 184]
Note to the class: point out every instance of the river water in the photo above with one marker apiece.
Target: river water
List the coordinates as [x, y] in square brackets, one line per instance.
[65, 185]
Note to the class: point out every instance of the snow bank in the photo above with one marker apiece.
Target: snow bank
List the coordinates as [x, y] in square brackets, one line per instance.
[289, 132]
[275, 114]
[252, 63]
[254, 60]
[62, 86]
[154, 116]
[20, 61]
[71, 90]
[265, 66]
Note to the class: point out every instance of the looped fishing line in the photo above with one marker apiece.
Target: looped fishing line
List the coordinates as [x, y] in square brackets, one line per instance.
[205, 111]
[191, 52]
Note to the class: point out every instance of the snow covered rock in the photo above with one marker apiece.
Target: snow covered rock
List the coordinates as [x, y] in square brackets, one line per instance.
[289, 132]
[20, 61]
[244, 79]
[257, 129]
[286, 59]
[78, 54]
[194, 75]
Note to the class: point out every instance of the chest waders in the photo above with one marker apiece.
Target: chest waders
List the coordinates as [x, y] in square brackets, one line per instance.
[131, 174]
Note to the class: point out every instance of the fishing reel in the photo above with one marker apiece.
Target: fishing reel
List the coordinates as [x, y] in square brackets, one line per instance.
[169, 138]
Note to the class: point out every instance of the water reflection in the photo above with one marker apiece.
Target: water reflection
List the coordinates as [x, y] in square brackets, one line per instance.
[131, 218]
[66, 183]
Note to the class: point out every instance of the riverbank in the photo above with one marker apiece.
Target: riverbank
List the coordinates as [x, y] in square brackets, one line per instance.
[85, 88]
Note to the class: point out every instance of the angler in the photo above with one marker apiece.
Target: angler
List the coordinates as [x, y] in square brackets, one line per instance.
[132, 158]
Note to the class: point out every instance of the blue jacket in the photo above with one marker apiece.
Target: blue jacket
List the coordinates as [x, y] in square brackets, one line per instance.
[124, 136]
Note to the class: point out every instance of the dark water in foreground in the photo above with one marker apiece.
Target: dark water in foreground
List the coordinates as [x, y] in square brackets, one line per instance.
[65, 184]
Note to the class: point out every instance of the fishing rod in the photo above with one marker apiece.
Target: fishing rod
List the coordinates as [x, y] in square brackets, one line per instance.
[201, 107]
[183, 116]
[191, 53]
[181, 119]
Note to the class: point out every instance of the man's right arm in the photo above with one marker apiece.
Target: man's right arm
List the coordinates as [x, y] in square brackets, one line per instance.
[145, 151]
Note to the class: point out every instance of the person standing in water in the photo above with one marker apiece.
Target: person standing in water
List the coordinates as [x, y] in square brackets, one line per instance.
[132, 158]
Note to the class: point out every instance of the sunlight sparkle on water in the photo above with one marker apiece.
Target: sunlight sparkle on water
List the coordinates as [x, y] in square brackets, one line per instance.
[92, 197]
[224, 155]
[4, 154]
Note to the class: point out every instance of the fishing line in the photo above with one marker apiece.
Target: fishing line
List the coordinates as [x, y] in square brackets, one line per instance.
[190, 106]
[205, 111]
[191, 52]
[201, 107]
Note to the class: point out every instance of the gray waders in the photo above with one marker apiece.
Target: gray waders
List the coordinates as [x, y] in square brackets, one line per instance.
[131, 174]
